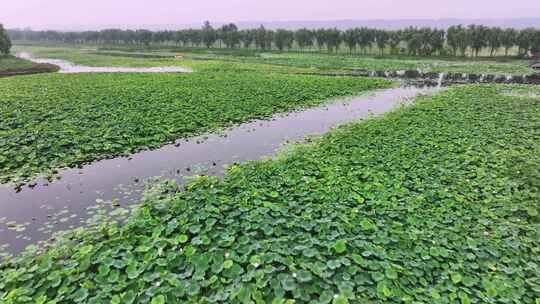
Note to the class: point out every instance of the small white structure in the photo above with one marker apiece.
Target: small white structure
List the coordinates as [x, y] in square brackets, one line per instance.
[179, 56]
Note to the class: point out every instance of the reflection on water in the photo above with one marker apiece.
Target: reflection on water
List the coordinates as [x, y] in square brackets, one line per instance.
[67, 67]
[32, 214]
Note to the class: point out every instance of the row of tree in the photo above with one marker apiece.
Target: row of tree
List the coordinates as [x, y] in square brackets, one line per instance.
[5, 42]
[457, 40]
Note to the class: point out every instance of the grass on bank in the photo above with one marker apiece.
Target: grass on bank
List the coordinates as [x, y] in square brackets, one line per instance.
[434, 203]
[52, 121]
[11, 66]
[12, 62]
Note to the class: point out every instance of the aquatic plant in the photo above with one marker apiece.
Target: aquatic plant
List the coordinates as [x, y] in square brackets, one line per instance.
[234, 59]
[433, 203]
[371, 63]
[52, 121]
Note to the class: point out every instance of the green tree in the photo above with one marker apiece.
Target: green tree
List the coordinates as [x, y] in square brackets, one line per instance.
[418, 41]
[108, 36]
[535, 42]
[436, 41]
[320, 38]
[209, 35]
[394, 39]
[453, 38]
[464, 39]
[524, 40]
[195, 37]
[494, 35]
[350, 37]
[479, 38]
[365, 38]
[230, 35]
[269, 38]
[180, 37]
[157, 37]
[283, 39]
[381, 38]
[508, 39]
[260, 38]
[130, 37]
[143, 37]
[5, 41]
[248, 37]
[333, 39]
[415, 40]
[304, 38]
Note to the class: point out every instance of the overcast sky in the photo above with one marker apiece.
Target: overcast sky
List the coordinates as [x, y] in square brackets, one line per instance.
[47, 13]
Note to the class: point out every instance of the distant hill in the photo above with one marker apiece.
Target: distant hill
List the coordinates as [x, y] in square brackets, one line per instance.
[520, 23]
[517, 23]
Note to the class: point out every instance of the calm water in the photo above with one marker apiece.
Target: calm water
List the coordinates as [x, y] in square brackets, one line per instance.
[67, 67]
[34, 213]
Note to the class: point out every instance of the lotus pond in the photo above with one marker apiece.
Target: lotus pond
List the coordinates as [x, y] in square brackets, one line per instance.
[53, 121]
[203, 59]
[433, 203]
[31, 214]
[95, 58]
[390, 63]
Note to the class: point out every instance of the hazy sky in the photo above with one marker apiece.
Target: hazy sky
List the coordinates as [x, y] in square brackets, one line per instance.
[39, 13]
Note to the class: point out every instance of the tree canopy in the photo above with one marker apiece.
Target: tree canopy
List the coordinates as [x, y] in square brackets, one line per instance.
[472, 40]
[5, 41]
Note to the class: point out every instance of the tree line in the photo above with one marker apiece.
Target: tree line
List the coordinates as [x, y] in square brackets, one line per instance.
[457, 40]
[5, 42]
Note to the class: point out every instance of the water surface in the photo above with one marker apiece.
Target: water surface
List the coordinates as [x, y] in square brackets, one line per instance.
[35, 212]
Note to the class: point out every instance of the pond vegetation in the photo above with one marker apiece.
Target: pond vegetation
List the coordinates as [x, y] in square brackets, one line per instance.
[374, 63]
[13, 66]
[52, 121]
[202, 59]
[433, 203]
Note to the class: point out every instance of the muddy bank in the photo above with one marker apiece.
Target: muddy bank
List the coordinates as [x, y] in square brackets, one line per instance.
[42, 208]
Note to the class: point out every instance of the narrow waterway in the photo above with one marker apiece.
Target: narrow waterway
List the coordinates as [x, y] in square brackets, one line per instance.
[38, 210]
[67, 67]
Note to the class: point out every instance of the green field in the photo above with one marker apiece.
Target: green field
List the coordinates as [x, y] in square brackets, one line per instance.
[292, 62]
[436, 202]
[433, 203]
[387, 63]
[52, 121]
[94, 58]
